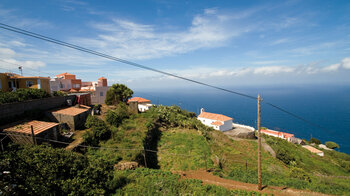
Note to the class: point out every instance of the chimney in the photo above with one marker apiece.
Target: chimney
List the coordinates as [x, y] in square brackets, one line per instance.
[202, 110]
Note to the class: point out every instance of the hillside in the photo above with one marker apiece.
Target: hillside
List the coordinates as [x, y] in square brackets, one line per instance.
[179, 143]
[176, 149]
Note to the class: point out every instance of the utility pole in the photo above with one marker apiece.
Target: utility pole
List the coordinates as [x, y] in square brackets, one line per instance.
[259, 146]
[21, 69]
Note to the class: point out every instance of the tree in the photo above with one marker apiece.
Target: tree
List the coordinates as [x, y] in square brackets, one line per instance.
[315, 141]
[332, 145]
[118, 93]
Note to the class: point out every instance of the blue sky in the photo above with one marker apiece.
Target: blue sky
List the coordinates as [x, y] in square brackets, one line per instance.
[225, 43]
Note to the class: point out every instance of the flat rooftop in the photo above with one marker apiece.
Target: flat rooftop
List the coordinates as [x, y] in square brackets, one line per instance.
[72, 111]
[24, 128]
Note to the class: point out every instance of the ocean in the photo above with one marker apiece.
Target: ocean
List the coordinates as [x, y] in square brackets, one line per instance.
[327, 106]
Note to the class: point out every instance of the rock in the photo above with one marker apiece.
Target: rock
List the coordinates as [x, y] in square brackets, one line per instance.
[123, 165]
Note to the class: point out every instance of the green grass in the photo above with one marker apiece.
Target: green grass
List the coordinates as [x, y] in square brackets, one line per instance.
[157, 182]
[183, 149]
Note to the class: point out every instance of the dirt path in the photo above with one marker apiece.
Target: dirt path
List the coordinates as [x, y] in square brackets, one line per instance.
[208, 178]
[78, 136]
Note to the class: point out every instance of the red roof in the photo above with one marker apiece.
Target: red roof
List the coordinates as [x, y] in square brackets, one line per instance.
[139, 100]
[101, 78]
[218, 123]
[72, 111]
[277, 133]
[64, 74]
[214, 116]
[38, 127]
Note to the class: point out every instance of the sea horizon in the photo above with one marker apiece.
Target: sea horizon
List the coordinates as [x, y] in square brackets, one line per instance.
[326, 106]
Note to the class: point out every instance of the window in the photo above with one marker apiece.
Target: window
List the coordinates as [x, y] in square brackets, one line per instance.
[29, 84]
[76, 85]
[61, 85]
[101, 94]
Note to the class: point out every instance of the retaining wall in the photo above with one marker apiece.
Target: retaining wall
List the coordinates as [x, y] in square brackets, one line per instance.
[9, 110]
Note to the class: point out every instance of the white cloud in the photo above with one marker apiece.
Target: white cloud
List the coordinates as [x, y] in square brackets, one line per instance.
[346, 63]
[333, 67]
[270, 70]
[6, 53]
[131, 40]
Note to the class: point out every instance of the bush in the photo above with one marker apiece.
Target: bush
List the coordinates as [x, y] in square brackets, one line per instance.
[332, 145]
[98, 131]
[59, 93]
[315, 141]
[22, 94]
[284, 156]
[299, 174]
[115, 117]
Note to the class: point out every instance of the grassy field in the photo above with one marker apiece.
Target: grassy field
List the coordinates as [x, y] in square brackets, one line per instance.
[180, 144]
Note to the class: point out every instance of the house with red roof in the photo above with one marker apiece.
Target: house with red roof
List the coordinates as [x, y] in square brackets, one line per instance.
[287, 136]
[142, 103]
[217, 121]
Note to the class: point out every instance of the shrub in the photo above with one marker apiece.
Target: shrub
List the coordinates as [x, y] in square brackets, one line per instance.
[332, 145]
[59, 93]
[98, 131]
[115, 117]
[284, 156]
[299, 174]
[315, 141]
[22, 95]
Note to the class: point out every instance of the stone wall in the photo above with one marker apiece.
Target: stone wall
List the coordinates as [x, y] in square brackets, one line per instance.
[16, 109]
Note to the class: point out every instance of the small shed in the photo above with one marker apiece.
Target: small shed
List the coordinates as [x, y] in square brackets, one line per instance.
[314, 150]
[22, 132]
[74, 116]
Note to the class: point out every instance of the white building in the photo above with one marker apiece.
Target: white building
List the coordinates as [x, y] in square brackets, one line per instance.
[217, 121]
[60, 84]
[142, 104]
[98, 96]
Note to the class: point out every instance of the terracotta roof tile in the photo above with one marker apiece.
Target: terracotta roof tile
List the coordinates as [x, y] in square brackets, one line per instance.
[214, 116]
[277, 133]
[139, 100]
[38, 127]
[72, 111]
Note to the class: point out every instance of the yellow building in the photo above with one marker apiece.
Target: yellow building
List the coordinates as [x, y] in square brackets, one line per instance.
[11, 81]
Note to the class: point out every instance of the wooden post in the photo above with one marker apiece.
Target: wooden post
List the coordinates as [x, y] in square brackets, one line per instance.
[205, 159]
[34, 140]
[259, 147]
[144, 157]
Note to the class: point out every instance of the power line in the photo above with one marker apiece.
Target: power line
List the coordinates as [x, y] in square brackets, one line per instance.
[38, 36]
[48, 39]
[34, 70]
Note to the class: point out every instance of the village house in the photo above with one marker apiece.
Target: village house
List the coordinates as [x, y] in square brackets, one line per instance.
[98, 90]
[287, 136]
[314, 150]
[11, 81]
[74, 116]
[217, 121]
[70, 78]
[22, 133]
[142, 104]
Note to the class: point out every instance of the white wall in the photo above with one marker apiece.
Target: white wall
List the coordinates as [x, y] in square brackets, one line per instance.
[225, 127]
[59, 84]
[99, 96]
[144, 107]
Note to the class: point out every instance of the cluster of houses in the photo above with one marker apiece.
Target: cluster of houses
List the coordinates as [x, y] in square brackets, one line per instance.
[62, 82]
[95, 93]
[224, 123]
